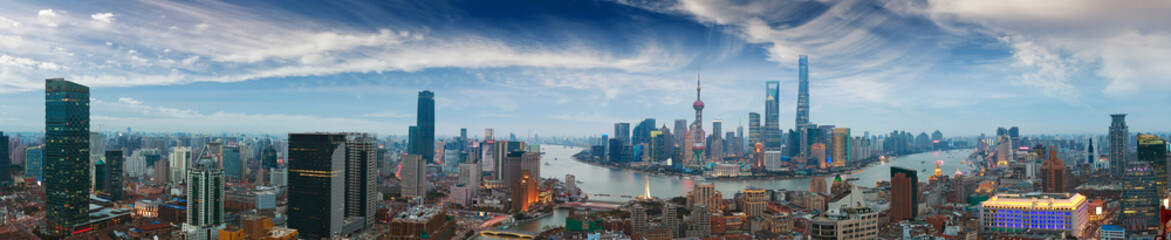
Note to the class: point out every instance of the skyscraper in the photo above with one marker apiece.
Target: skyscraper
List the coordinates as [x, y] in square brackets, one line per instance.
[233, 162]
[1119, 135]
[268, 158]
[424, 143]
[112, 171]
[180, 159]
[205, 193]
[697, 136]
[5, 162]
[772, 116]
[904, 194]
[1153, 150]
[803, 91]
[622, 132]
[34, 157]
[66, 163]
[754, 129]
[840, 154]
[1053, 173]
[1140, 197]
[524, 191]
[317, 165]
[361, 193]
[638, 219]
[414, 176]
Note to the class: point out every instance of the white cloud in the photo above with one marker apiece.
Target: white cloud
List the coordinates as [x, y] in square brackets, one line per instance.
[129, 112]
[103, 17]
[49, 17]
[47, 13]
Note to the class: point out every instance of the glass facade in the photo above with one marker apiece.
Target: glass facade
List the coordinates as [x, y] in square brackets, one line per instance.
[316, 184]
[66, 154]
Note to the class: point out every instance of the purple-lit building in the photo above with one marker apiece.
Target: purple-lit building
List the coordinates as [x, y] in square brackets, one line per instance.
[1036, 212]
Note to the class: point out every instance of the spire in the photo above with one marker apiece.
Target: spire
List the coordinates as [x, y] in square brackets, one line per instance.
[698, 70]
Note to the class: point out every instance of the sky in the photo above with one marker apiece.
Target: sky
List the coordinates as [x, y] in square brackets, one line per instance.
[574, 68]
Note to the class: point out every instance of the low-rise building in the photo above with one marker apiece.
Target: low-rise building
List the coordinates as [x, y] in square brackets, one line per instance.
[1036, 212]
[858, 222]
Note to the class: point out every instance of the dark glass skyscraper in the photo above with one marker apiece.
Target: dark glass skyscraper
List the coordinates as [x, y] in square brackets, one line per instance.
[268, 158]
[754, 131]
[1118, 140]
[622, 132]
[109, 178]
[772, 116]
[5, 162]
[361, 151]
[66, 163]
[205, 193]
[316, 184]
[425, 119]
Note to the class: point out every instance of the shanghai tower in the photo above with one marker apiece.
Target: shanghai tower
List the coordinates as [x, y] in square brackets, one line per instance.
[67, 185]
[803, 91]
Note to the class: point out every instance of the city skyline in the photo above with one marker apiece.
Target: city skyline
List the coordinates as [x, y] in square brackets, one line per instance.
[357, 72]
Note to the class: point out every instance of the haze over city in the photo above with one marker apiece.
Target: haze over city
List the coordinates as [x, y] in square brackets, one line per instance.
[575, 67]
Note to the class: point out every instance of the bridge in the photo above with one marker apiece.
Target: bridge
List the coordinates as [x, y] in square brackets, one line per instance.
[508, 234]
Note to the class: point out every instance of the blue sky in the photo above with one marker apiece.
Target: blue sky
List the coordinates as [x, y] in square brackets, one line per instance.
[575, 67]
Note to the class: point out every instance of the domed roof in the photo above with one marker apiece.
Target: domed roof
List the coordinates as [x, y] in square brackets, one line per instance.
[698, 105]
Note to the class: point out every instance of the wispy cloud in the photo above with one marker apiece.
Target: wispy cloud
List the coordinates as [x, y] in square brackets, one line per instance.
[130, 112]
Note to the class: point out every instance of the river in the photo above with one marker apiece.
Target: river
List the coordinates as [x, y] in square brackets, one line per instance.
[618, 182]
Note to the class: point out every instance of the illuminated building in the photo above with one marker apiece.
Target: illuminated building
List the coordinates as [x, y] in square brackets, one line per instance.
[817, 151]
[317, 184]
[1036, 212]
[66, 154]
[705, 194]
[841, 147]
[696, 137]
[858, 222]
[725, 170]
[755, 200]
[904, 194]
[419, 223]
[524, 191]
[1119, 134]
[1144, 184]
[1053, 173]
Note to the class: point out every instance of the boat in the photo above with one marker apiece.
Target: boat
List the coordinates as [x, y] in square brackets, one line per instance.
[579, 182]
[546, 164]
[922, 161]
[852, 179]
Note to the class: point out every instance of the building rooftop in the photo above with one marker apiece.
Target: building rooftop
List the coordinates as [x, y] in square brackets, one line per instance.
[417, 214]
[1035, 200]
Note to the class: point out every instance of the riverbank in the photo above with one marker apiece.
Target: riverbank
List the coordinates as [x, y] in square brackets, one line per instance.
[870, 162]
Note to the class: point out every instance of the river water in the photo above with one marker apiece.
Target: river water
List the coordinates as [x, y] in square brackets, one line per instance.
[618, 182]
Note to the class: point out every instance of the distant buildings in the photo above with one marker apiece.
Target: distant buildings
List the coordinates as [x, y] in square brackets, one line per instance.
[857, 222]
[419, 223]
[1119, 135]
[414, 176]
[1053, 173]
[772, 116]
[34, 161]
[904, 194]
[422, 141]
[67, 175]
[1036, 212]
[108, 176]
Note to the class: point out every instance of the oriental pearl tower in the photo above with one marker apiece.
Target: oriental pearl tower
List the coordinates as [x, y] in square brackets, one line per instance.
[698, 136]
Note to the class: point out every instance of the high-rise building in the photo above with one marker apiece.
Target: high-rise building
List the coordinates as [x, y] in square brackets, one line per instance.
[704, 194]
[696, 137]
[361, 177]
[34, 157]
[233, 162]
[180, 159]
[469, 175]
[1036, 212]
[638, 219]
[66, 155]
[413, 176]
[701, 222]
[5, 162]
[1140, 197]
[642, 132]
[1053, 173]
[423, 142]
[756, 200]
[904, 194]
[622, 132]
[772, 116]
[524, 191]
[110, 181]
[97, 146]
[803, 91]
[715, 144]
[680, 130]
[671, 219]
[268, 158]
[754, 129]
[1119, 135]
[205, 194]
[841, 147]
[817, 184]
[855, 222]
[317, 165]
[162, 172]
[1153, 150]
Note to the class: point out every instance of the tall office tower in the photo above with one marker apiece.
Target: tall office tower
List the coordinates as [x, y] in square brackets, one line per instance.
[680, 130]
[180, 159]
[1140, 197]
[755, 201]
[716, 143]
[162, 172]
[205, 194]
[488, 134]
[1153, 150]
[463, 137]
[817, 184]
[701, 222]
[904, 194]
[361, 177]
[111, 171]
[1090, 155]
[622, 132]
[469, 175]
[841, 145]
[1014, 134]
[1053, 173]
[524, 191]
[704, 194]
[638, 219]
[772, 116]
[425, 119]
[233, 163]
[697, 135]
[518, 161]
[803, 91]
[317, 167]
[414, 176]
[268, 158]
[671, 219]
[642, 132]
[34, 157]
[740, 145]
[5, 162]
[1119, 135]
[66, 155]
[97, 146]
